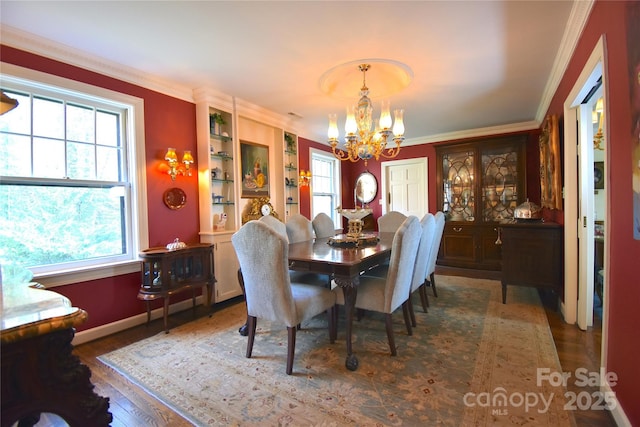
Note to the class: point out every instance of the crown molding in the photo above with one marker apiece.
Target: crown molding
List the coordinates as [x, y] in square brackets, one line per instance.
[44, 47]
[473, 133]
[578, 17]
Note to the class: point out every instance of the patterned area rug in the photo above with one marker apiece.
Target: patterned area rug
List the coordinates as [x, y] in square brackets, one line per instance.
[471, 361]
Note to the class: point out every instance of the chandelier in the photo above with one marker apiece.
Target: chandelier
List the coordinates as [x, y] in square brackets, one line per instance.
[361, 141]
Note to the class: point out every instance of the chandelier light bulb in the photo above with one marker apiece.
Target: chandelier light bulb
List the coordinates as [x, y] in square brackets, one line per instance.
[398, 126]
[333, 133]
[385, 115]
[350, 125]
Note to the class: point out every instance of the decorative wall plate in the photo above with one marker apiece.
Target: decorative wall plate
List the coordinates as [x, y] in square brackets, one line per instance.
[174, 198]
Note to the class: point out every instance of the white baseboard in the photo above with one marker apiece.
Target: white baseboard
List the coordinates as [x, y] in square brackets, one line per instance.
[618, 414]
[120, 325]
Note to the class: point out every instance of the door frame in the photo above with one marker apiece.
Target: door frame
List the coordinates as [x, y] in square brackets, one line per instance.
[576, 294]
[384, 169]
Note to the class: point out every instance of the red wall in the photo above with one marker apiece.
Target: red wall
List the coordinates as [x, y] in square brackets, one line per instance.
[609, 18]
[169, 122]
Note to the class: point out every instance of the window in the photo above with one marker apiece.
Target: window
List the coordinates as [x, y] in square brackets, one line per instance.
[69, 197]
[325, 169]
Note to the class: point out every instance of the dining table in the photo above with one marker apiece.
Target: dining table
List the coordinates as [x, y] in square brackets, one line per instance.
[345, 263]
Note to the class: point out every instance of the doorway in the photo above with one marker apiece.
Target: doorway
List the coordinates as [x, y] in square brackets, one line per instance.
[580, 154]
[405, 187]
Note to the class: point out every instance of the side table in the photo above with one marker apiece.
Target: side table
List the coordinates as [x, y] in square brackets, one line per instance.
[40, 374]
[165, 273]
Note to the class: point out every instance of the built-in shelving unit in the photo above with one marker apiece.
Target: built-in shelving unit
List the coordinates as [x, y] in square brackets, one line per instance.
[291, 170]
[220, 174]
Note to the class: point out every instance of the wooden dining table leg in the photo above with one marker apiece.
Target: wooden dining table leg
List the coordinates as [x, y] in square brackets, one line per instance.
[350, 290]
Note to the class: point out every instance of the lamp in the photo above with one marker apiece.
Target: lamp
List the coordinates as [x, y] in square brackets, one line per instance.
[174, 168]
[361, 142]
[305, 178]
[7, 104]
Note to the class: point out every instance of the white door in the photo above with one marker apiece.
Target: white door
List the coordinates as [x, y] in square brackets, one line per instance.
[579, 196]
[405, 186]
[586, 215]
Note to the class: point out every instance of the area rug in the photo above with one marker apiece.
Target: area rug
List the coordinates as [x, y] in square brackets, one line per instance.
[471, 361]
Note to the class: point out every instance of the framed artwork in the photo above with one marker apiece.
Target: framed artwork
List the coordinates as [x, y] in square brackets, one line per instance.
[254, 160]
[550, 172]
[598, 175]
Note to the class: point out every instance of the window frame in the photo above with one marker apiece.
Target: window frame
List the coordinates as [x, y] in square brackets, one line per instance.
[314, 152]
[14, 76]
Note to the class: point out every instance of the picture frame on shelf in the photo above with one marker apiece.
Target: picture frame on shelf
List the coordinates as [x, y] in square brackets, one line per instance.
[254, 160]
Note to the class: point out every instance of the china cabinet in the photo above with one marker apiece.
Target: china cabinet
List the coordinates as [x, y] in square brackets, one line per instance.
[479, 183]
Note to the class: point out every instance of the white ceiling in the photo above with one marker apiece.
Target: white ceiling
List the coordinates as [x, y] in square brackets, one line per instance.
[475, 64]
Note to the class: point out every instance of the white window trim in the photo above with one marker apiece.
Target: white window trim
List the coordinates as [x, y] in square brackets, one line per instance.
[337, 178]
[137, 172]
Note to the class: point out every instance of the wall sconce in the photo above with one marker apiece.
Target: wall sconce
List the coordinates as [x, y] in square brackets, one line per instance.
[174, 167]
[305, 178]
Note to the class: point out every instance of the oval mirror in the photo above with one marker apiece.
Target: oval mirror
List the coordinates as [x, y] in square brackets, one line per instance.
[366, 187]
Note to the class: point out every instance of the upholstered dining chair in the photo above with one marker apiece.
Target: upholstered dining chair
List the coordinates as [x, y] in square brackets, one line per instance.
[386, 294]
[427, 224]
[299, 228]
[390, 222]
[430, 277]
[270, 295]
[297, 276]
[323, 226]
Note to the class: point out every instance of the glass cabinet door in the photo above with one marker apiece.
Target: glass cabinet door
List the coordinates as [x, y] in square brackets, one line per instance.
[499, 189]
[458, 187]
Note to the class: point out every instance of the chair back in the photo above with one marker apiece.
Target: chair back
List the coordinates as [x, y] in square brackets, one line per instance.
[404, 250]
[435, 243]
[323, 226]
[428, 224]
[263, 256]
[299, 228]
[391, 221]
[276, 224]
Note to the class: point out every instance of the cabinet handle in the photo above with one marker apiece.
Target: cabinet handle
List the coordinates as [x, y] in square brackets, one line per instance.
[499, 240]
[457, 229]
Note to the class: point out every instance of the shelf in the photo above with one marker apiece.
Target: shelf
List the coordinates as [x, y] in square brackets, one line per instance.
[221, 138]
[222, 181]
[221, 157]
[292, 203]
[290, 152]
[222, 203]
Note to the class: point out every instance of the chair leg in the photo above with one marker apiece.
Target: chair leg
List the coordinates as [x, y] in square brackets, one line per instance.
[412, 315]
[389, 325]
[406, 309]
[433, 284]
[291, 347]
[251, 326]
[424, 298]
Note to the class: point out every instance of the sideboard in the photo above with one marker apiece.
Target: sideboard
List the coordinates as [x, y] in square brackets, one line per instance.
[532, 255]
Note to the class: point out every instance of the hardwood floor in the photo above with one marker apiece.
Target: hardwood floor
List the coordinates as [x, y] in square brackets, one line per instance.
[131, 406]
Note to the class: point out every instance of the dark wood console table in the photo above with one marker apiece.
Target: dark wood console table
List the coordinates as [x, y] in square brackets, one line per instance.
[165, 273]
[39, 372]
[532, 255]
